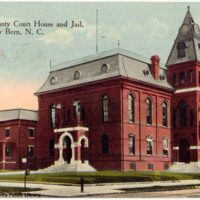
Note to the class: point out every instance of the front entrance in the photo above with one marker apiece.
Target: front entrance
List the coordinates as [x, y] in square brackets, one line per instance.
[184, 151]
[67, 150]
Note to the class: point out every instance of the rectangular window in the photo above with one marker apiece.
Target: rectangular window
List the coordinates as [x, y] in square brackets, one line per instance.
[199, 77]
[68, 115]
[166, 166]
[150, 166]
[105, 144]
[191, 75]
[175, 79]
[31, 132]
[30, 151]
[191, 118]
[132, 145]
[8, 151]
[132, 165]
[149, 147]
[174, 118]
[165, 147]
[7, 132]
[183, 77]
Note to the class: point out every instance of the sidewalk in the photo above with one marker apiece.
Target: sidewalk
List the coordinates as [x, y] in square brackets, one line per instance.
[53, 190]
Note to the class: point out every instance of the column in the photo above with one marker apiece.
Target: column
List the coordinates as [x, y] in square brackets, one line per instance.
[60, 160]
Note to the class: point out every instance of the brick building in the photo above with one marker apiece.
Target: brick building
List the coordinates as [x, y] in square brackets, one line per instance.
[117, 110]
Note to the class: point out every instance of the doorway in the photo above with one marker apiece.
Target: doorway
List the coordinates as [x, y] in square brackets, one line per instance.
[67, 151]
[184, 151]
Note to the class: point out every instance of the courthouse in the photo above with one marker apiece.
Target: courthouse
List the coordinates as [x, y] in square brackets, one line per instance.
[114, 110]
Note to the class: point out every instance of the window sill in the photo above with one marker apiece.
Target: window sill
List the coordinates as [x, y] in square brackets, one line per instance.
[131, 154]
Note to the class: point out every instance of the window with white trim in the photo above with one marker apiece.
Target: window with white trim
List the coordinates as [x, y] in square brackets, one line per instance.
[149, 111]
[53, 116]
[131, 107]
[165, 146]
[149, 145]
[165, 114]
[30, 151]
[132, 144]
[7, 132]
[105, 107]
[8, 151]
[31, 132]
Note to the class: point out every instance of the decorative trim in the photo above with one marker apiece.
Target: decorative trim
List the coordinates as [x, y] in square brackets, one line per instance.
[187, 90]
[175, 148]
[195, 147]
[78, 128]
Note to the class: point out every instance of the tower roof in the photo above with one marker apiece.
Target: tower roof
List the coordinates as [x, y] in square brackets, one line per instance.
[187, 44]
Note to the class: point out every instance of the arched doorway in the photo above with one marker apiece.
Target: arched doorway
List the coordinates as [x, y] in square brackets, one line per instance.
[184, 151]
[67, 150]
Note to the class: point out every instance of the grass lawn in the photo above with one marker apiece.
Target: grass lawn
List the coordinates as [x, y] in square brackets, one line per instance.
[102, 177]
[17, 189]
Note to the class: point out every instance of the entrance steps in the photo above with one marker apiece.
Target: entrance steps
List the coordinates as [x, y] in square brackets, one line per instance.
[75, 166]
[185, 167]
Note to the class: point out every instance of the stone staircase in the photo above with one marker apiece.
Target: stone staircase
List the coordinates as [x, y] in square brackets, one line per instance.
[185, 167]
[75, 166]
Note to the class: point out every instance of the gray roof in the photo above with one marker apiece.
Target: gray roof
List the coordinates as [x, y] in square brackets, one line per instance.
[120, 62]
[15, 114]
[190, 37]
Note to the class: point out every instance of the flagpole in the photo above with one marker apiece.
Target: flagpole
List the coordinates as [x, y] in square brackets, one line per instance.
[96, 31]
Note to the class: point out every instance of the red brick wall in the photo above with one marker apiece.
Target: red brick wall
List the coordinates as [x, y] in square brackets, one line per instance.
[118, 126]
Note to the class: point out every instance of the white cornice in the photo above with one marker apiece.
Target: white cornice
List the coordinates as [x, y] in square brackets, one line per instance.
[192, 89]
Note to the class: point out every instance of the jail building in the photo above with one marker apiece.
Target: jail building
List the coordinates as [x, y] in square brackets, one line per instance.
[114, 110]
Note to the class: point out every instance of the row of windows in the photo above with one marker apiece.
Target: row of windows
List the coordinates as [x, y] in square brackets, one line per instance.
[79, 112]
[31, 132]
[149, 110]
[183, 77]
[182, 115]
[105, 145]
[9, 151]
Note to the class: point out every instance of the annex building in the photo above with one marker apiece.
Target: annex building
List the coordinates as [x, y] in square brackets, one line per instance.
[114, 110]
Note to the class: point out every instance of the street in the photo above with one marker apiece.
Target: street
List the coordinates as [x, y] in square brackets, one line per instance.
[187, 193]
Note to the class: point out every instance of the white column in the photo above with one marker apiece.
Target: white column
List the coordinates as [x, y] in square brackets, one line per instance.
[61, 160]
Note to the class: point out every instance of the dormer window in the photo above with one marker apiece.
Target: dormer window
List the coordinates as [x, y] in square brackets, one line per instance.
[181, 50]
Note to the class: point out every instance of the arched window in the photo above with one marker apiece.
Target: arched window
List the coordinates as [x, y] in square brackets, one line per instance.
[51, 147]
[53, 116]
[131, 108]
[149, 111]
[105, 144]
[183, 113]
[165, 146]
[149, 145]
[132, 144]
[181, 49]
[165, 114]
[105, 108]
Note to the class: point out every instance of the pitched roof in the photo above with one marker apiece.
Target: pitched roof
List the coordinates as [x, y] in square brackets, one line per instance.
[119, 63]
[15, 114]
[190, 37]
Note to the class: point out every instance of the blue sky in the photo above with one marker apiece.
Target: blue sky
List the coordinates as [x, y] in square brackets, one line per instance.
[144, 28]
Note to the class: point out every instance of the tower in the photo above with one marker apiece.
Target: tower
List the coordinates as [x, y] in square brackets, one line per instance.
[184, 74]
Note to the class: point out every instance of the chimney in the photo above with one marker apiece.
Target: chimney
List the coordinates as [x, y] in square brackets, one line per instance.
[155, 62]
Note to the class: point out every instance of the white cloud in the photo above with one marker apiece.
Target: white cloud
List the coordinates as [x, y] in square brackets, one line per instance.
[132, 26]
[60, 36]
[157, 28]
